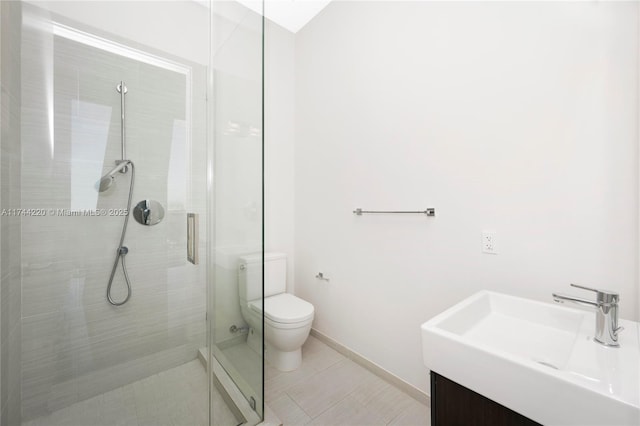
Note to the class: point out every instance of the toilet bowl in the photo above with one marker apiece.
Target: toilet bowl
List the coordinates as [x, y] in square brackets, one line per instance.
[287, 318]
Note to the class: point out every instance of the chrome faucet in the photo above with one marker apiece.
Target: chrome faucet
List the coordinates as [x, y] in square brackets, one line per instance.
[606, 305]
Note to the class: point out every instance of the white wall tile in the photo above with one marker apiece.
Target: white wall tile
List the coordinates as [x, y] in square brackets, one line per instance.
[10, 184]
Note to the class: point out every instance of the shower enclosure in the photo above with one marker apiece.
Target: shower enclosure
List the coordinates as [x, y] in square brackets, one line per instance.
[111, 110]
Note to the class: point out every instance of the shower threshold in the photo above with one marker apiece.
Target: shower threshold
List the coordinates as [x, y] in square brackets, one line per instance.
[227, 387]
[232, 392]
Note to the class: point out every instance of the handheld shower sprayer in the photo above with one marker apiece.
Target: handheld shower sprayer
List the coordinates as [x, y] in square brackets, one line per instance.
[107, 180]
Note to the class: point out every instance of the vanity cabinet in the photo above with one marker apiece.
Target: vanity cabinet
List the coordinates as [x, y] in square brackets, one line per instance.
[453, 405]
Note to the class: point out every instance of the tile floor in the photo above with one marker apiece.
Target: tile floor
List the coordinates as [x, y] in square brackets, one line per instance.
[329, 389]
[175, 397]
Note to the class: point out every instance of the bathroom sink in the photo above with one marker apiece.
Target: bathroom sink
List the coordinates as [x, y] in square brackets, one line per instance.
[538, 359]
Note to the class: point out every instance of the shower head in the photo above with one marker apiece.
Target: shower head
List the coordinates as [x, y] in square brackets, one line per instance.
[105, 183]
[108, 179]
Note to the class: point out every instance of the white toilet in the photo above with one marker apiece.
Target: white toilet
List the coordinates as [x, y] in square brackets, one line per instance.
[287, 318]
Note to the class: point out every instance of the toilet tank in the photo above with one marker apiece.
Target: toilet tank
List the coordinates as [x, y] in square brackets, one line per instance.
[250, 275]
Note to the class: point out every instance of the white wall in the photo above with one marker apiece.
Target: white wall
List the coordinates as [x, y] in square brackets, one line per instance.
[279, 144]
[517, 117]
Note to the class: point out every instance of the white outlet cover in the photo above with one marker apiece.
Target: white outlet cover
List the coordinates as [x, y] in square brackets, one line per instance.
[489, 242]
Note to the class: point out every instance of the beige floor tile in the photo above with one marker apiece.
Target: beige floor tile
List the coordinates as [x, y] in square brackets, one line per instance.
[270, 372]
[332, 390]
[327, 389]
[324, 389]
[175, 397]
[274, 387]
[366, 392]
[348, 412]
[85, 412]
[61, 417]
[288, 411]
[415, 414]
[389, 402]
[270, 417]
[318, 355]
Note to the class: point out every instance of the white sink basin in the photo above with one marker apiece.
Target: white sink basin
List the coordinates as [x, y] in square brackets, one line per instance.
[538, 359]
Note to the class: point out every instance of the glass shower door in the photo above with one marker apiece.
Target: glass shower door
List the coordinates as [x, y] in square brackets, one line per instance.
[236, 339]
[82, 359]
[160, 103]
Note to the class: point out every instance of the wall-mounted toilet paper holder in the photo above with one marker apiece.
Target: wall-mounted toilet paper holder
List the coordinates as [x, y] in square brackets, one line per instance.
[321, 276]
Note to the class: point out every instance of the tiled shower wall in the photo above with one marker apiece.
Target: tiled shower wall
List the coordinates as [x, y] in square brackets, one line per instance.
[10, 274]
[74, 344]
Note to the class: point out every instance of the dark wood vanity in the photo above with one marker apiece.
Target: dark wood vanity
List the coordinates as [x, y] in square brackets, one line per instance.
[454, 405]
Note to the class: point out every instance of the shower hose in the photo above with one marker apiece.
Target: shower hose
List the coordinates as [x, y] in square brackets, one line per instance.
[122, 250]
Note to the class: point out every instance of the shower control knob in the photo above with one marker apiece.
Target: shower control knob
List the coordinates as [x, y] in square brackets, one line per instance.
[148, 212]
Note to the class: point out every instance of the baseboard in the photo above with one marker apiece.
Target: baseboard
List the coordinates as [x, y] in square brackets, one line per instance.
[396, 381]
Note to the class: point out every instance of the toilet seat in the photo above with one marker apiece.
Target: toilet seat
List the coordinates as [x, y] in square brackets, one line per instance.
[284, 308]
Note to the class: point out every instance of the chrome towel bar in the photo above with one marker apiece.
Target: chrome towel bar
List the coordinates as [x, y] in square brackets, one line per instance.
[428, 212]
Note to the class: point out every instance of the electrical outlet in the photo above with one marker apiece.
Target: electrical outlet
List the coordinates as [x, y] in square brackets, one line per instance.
[489, 243]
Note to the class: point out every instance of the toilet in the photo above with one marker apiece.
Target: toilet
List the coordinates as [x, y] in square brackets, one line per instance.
[287, 318]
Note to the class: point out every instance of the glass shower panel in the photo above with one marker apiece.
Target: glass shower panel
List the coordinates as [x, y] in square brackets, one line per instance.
[236, 341]
[84, 360]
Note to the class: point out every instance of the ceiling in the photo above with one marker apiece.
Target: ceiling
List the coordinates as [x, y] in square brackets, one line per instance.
[289, 14]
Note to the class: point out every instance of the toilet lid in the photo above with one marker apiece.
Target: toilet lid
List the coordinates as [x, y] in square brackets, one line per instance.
[284, 308]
